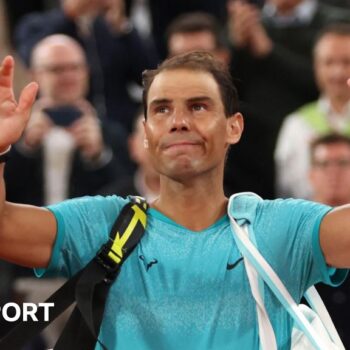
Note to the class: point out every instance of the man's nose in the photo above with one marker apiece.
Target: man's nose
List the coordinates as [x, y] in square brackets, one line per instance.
[180, 121]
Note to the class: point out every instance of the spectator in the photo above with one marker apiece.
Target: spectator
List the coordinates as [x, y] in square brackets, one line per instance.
[329, 176]
[116, 53]
[272, 57]
[201, 31]
[331, 112]
[164, 12]
[61, 161]
[197, 31]
[329, 170]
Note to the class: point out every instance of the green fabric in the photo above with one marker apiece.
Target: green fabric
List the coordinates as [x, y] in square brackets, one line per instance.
[317, 119]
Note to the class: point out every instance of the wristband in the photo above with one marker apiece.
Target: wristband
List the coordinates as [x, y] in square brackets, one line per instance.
[4, 156]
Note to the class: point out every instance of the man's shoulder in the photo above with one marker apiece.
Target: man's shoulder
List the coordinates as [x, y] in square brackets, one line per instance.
[248, 205]
[91, 206]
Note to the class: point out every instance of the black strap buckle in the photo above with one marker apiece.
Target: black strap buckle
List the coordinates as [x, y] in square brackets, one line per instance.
[110, 266]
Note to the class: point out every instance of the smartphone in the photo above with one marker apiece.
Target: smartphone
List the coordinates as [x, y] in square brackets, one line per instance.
[63, 115]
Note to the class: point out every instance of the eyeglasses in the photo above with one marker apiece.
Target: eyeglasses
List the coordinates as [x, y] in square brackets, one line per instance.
[62, 68]
[339, 163]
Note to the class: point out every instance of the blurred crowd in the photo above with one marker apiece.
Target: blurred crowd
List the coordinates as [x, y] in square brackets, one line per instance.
[290, 60]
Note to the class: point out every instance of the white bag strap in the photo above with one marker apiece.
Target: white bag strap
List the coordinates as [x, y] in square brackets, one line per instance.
[250, 252]
[315, 301]
[267, 336]
[266, 333]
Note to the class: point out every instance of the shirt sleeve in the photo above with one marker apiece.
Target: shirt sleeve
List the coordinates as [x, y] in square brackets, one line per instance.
[83, 226]
[287, 232]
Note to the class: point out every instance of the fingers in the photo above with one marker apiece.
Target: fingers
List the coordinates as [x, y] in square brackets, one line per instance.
[349, 81]
[243, 17]
[88, 136]
[27, 98]
[6, 71]
[86, 108]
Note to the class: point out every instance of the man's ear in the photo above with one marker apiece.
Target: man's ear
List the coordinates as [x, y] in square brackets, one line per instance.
[235, 125]
[145, 140]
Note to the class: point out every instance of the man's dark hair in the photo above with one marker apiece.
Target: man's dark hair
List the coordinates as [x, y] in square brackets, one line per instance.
[195, 22]
[197, 61]
[328, 139]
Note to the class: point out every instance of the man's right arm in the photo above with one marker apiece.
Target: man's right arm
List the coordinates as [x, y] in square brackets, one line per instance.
[27, 233]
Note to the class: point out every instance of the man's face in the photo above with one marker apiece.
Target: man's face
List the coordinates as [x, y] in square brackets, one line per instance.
[180, 43]
[332, 65]
[186, 128]
[330, 173]
[61, 72]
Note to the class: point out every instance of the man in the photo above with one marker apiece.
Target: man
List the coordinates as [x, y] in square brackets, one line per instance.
[191, 298]
[329, 172]
[330, 113]
[329, 176]
[63, 160]
[198, 31]
[115, 51]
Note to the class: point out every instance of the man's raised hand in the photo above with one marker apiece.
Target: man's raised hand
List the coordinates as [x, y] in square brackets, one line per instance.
[13, 115]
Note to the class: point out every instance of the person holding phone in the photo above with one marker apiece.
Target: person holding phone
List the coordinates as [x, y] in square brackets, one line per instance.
[65, 150]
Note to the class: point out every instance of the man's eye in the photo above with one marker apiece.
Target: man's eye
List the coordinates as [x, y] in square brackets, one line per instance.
[198, 107]
[162, 109]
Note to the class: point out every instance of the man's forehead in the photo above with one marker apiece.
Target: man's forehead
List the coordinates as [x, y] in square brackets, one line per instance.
[327, 150]
[55, 53]
[185, 83]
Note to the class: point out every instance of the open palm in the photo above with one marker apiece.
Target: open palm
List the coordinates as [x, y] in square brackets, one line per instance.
[13, 115]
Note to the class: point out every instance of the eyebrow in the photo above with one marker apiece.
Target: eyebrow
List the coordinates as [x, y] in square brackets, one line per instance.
[159, 101]
[200, 99]
[190, 100]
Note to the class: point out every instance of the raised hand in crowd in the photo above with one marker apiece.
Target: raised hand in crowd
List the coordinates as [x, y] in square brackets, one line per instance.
[112, 10]
[79, 8]
[245, 28]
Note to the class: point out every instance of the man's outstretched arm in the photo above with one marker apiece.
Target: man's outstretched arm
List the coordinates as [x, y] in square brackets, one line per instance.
[27, 233]
[335, 235]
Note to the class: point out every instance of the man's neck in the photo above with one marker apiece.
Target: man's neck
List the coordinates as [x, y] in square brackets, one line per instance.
[195, 206]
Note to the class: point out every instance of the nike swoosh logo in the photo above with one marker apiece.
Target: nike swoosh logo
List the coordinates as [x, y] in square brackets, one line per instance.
[232, 266]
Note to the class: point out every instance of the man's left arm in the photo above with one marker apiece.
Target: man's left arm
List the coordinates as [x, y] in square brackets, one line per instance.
[335, 237]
